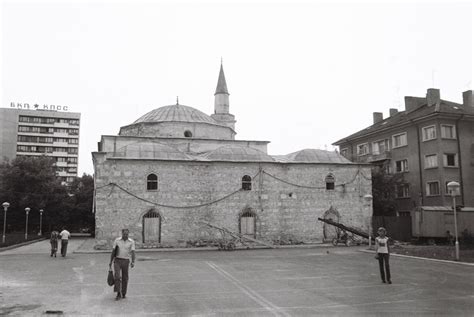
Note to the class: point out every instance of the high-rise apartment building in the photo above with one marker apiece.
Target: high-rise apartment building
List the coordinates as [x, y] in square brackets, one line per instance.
[25, 132]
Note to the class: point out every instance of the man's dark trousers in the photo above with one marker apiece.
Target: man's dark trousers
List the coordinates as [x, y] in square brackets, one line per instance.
[121, 275]
[64, 246]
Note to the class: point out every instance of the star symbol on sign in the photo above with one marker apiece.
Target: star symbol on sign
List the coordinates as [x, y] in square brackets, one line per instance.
[36, 106]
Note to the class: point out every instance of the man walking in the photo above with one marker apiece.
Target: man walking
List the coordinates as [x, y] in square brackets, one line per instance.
[123, 251]
[64, 241]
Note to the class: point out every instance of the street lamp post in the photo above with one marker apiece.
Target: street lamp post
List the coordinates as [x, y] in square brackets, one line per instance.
[5, 208]
[453, 187]
[27, 210]
[41, 222]
[368, 198]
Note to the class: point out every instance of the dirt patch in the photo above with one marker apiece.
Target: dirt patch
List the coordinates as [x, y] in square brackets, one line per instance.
[17, 309]
[440, 252]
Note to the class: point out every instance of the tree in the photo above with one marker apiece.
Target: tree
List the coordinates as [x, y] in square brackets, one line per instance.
[32, 182]
[384, 191]
[82, 194]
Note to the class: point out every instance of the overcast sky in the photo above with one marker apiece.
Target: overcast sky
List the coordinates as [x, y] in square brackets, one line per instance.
[301, 75]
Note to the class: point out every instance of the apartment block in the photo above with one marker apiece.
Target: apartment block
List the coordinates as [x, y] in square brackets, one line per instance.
[431, 143]
[25, 132]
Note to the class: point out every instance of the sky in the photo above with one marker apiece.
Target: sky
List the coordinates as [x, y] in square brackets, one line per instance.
[301, 74]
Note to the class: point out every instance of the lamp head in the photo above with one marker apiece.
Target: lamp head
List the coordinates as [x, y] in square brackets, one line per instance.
[6, 205]
[41, 211]
[453, 188]
[27, 209]
[368, 197]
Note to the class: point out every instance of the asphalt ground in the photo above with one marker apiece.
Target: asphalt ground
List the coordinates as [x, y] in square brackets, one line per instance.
[283, 282]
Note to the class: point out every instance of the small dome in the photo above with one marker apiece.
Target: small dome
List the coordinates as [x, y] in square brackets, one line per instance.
[315, 156]
[237, 153]
[176, 113]
[151, 150]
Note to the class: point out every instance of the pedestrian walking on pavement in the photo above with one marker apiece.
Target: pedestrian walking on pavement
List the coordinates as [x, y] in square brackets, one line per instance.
[64, 241]
[383, 255]
[123, 251]
[54, 242]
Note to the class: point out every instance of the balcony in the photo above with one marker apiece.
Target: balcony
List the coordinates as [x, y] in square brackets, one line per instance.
[370, 158]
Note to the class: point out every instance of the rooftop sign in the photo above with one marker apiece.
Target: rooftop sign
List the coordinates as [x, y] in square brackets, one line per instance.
[38, 107]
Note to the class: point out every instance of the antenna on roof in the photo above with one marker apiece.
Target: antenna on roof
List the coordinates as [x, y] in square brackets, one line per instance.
[177, 100]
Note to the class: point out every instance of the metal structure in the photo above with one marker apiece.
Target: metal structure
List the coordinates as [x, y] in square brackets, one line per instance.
[352, 230]
[230, 239]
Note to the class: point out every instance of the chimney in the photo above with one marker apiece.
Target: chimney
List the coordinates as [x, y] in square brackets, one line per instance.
[432, 97]
[467, 98]
[378, 116]
[393, 112]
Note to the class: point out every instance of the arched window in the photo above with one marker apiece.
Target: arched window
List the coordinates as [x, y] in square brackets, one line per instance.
[330, 182]
[247, 182]
[152, 182]
[188, 134]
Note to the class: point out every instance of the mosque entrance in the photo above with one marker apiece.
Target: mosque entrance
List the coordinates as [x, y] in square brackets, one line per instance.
[247, 223]
[151, 227]
[330, 232]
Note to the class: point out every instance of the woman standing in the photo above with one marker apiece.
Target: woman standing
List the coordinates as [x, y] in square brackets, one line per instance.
[383, 254]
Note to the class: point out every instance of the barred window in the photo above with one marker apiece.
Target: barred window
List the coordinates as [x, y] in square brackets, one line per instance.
[330, 182]
[247, 182]
[152, 182]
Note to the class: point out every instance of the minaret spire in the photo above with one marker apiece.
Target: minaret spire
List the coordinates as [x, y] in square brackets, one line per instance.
[221, 102]
[221, 84]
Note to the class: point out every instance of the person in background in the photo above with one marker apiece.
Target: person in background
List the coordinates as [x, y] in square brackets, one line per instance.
[54, 242]
[383, 254]
[64, 241]
[123, 251]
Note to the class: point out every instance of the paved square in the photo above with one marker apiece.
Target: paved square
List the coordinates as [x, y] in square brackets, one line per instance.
[283, 282]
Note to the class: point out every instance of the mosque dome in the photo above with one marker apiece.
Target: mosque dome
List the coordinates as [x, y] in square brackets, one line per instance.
[150, 150]
[237, 153]
[314, 156]
[176, 113]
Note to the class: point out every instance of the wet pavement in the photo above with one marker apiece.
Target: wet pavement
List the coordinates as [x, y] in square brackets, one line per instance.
[282, 282]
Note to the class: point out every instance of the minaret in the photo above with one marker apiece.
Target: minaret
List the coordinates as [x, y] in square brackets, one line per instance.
[221, 103]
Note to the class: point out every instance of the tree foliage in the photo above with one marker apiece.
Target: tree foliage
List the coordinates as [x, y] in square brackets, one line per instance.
[32, 182]
[384, 188]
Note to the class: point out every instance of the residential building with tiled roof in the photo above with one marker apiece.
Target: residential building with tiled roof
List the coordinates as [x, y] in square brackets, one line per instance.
[431, 142]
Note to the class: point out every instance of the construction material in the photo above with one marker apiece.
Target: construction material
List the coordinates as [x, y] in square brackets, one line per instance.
[230, 238]
[353, 230]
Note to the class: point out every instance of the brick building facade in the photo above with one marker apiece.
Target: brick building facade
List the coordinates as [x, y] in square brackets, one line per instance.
[175, 167]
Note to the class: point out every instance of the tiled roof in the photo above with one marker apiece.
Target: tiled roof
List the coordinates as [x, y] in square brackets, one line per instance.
[236, 153]
[444, 107]
[176, 113]
[312, 156]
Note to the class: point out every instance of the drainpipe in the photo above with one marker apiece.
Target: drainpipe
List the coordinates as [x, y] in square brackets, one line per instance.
[419, 161]
[459, 159]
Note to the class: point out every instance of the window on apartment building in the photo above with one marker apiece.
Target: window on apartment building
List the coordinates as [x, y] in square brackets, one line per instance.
[330, 182]
[247, 182]
[403, 214]
[72, 150]
[450, 160]
[380, 147]
[73, 122]
[72, 160]
[363, 149]
[73, 141]
[402, 191]
[73, 131]
[429, 133]
[344, 152]
[431, 161]
[448, 131]
[61, 159]
[152, 182]
[401, 166]
[432, 188]
[399, 140]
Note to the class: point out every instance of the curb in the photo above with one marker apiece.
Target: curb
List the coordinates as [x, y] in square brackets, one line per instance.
[21, 244]
[299, 246]
[421, 258]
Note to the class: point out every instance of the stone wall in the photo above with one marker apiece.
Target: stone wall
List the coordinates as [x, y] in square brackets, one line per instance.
[282, 210]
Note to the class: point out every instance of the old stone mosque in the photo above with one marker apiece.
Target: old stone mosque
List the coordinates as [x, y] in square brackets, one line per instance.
[176, 167]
